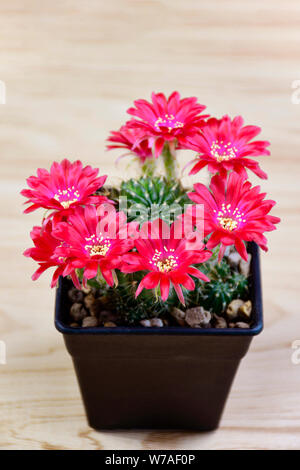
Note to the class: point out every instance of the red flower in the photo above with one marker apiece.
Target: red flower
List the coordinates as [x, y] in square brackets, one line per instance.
[167, 258]
[94, 241]
[234, 212]
[166, 120]
[66, 186]
[223, 145]
[44, 253]
[129, 139]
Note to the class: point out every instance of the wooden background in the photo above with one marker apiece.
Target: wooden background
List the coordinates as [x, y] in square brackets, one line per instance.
[71, 69]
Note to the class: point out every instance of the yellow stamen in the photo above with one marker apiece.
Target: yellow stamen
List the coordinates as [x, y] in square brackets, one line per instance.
[223, 152]
[227, 223]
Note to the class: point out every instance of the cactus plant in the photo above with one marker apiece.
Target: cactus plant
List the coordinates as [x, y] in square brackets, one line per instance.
[151, 198]
[225, 285]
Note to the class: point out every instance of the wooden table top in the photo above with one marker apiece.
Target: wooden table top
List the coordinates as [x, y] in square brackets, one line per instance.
[71, 69]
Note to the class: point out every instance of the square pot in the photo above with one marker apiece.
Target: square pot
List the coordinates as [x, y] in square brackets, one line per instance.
[170, 377]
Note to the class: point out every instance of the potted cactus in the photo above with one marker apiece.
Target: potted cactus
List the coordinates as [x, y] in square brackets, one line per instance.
[158, 285]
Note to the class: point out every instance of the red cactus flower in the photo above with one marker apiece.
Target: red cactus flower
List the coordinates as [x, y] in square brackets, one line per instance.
[129, 139]
[94, 241]
[44, 253]
[166, 120]
[166, 257]
[234, 212]
[66, 186]
[224, 145]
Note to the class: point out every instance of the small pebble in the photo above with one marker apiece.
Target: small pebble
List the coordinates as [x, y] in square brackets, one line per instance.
[245, 310]
[229, 249]
[244, 266]
[78, 312]
[145, 323]
[109, 324]
[234, 259]
[89, 322]
[157, 322]
[179, 316]
[241, 324]
[107, 315]
[86, 290]
[95, 308]
[89, 300]
[75, 295]
[219, 322]
[104, 299]
[94, 305]
[233, 308]
[197, 316]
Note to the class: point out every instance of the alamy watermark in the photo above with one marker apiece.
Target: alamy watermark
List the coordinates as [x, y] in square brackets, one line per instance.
[2, 92]
[188, 222]
[295, 357]
[2, 352]
[295, 98]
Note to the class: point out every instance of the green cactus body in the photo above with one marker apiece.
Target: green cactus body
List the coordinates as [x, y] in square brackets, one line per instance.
[132, 309]
[225, 285]
[152, 198]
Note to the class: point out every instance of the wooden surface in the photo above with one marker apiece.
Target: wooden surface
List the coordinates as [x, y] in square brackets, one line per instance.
[71, 69]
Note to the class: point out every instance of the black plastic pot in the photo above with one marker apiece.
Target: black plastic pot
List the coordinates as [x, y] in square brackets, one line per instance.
[169, 377]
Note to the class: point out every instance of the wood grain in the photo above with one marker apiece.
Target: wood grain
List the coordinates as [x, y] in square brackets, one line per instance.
[71, 69]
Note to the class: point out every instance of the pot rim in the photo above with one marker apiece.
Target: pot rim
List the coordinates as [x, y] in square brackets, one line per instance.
[255, 297]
